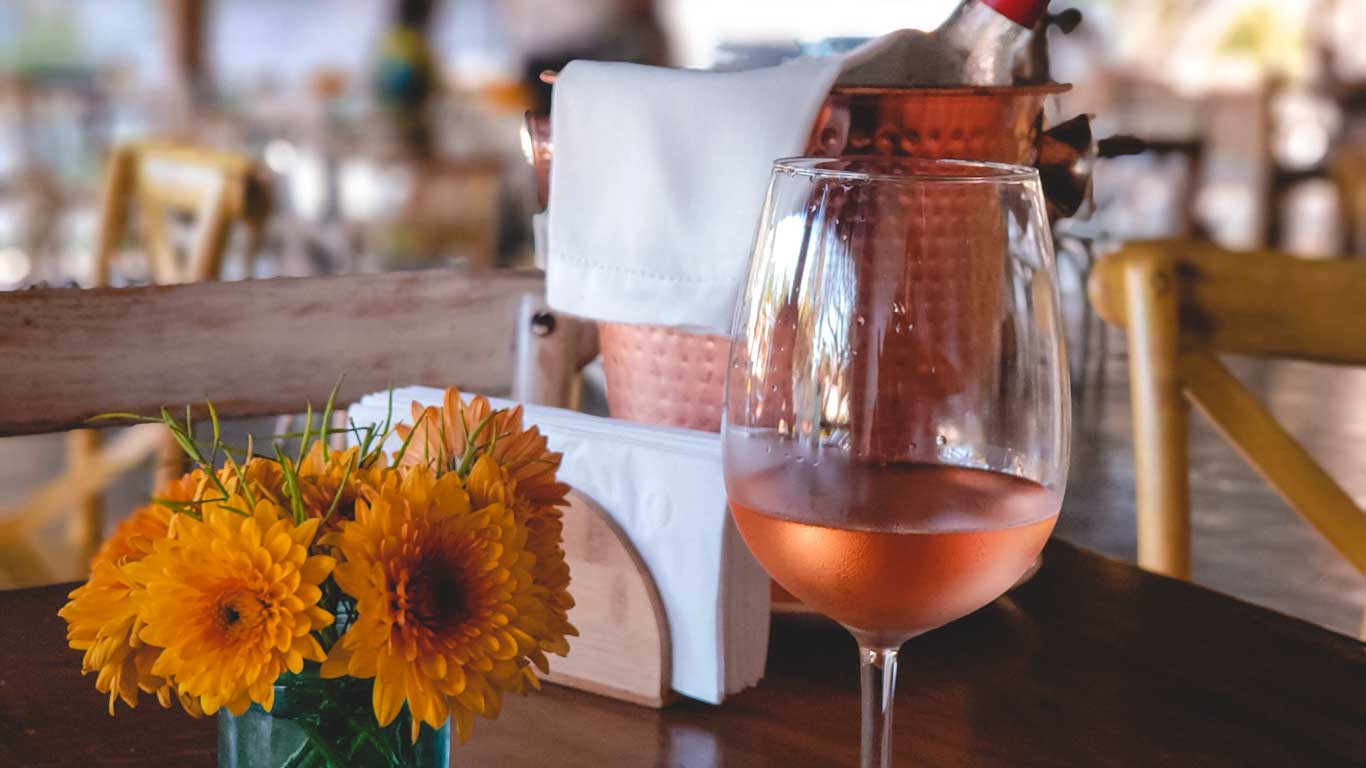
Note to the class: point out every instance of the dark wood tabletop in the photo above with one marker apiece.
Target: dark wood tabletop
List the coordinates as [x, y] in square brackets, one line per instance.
[1093, 662]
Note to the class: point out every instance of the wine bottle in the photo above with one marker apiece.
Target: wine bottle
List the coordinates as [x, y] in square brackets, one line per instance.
[976, 45]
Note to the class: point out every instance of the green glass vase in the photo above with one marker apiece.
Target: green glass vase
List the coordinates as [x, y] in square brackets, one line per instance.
[318, 723]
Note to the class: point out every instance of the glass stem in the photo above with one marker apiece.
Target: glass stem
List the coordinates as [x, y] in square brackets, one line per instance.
[877, 673]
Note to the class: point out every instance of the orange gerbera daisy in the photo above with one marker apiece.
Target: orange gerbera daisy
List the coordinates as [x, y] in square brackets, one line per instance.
[320, 481]
[264, 477]
[102, 621]
[443, 435]
[489, 483]
[101, 617]
[530, 464]
[338, 477]
[134, 536]
[233, 601]
[521, 474]
[439, 591]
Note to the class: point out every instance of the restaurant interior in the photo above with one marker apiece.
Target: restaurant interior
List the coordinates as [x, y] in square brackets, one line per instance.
[238, 238]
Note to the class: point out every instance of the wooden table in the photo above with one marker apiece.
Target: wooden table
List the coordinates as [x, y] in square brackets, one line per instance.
[1092, 663]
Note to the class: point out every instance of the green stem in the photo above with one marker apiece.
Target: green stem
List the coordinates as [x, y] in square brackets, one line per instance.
[468, 459]
[301, 756]
[366, 732]
[322, 745]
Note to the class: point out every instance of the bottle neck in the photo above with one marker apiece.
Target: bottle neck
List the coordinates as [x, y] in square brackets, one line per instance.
[988, 40]
[975, 23]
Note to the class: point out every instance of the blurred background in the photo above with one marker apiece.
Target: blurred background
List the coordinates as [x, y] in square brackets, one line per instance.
[1267, 91]
[1267, 94]
[389, 133]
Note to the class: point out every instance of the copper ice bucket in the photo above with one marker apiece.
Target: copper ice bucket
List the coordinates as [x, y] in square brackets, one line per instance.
[661, 375]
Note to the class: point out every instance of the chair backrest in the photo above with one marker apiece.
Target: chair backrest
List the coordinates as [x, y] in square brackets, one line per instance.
[216, 188]
[1183, 304]
[254, 347]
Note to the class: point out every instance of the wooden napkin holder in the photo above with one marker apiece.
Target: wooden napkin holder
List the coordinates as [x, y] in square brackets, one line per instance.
[623, 650]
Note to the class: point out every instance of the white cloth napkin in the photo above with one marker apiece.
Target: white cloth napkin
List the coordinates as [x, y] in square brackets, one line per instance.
[664, 487]
[658, 181]
[659, 178]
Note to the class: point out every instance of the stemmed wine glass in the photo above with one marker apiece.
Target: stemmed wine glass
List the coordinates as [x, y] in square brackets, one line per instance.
[897, 412]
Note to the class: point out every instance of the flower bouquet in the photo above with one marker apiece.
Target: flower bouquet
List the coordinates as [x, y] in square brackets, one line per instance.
[338, 607]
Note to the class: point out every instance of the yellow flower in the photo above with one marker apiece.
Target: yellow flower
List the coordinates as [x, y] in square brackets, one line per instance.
[438, 440]
[264, 479]
[101, 617]
[442, 434]
[134, 536]
[320, 480]
[233, 601]
[102, 621]
[187, 487]
[523, 454]
[528, 470]
[440, 591]
[489, 484]
[517, 469]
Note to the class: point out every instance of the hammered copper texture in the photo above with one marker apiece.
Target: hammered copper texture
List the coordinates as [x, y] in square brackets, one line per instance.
[895, 309]
[660, 375]
[996, 124]
[930, 294]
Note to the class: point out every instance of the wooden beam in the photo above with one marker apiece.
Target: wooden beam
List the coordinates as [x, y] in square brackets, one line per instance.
[254, 347]
[185, 35]
[1254, 303]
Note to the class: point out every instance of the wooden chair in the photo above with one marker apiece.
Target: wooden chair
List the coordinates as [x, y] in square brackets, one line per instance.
[218, 189]
[258, 348]
[1348, 163]
[1182, 305]
[159, 180]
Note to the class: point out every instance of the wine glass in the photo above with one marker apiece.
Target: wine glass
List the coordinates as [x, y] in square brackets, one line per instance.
[897, 407]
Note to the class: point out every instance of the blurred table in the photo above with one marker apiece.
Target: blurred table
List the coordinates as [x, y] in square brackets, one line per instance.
[1093, 662]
